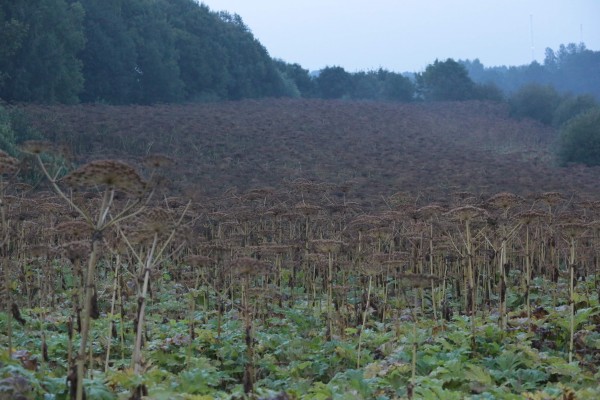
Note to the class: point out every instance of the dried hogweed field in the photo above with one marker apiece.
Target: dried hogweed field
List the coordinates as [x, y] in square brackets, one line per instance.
[297, 249]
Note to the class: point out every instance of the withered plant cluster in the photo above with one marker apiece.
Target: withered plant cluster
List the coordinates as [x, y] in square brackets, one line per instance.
[335, 242]
[89, 218]
[302, 245]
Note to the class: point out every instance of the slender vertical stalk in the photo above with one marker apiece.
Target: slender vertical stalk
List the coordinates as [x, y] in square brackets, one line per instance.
[415, 343]
[364, 322]
[8, 303]
[330, 297]
[471, 282]
[503, 322]
[137, 350]
[112, 314]
[87, 309]
[5, 268]
[572, 297]
[527, 274]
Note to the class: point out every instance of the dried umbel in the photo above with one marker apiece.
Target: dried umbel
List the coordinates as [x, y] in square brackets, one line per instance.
[36, 251]
[504, 200]
[76, 250]
[372, 269]
[390, 259]
[197, 260]
[418, 280]
[8, 164]
[271, 249]
[158, 161]
[464, 197]
[259, 193]
[248, 266]
[365, 222]
[36, 147]
[307, 209]
[429, 212]
[551, 198]
[327, 245]
[111, 173]
[466, 213]
[155, 221]
[76, 229]
[573, 229]
[529, 217]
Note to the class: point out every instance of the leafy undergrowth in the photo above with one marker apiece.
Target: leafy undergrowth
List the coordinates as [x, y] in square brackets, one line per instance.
[203, 355]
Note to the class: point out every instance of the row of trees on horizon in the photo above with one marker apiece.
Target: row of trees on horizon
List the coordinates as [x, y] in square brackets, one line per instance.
[169, 51]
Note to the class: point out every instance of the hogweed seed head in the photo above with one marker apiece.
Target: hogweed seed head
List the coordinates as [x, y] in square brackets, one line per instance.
[76, 250]
[504, 200]
[327, 245]
[466, 213]
[248, 266]
[36, 147]
[112, 173]
[158, 161]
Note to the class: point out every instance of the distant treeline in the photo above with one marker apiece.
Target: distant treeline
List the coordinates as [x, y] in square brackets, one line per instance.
[129, 51]
[571, 69]
[169, 51]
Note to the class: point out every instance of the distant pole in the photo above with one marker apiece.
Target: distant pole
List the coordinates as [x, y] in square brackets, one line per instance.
[531, 34]
[581, 33]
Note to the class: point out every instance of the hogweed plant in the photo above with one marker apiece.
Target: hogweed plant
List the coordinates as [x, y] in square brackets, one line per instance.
[107, 177]
[8, 168]
[153, 234]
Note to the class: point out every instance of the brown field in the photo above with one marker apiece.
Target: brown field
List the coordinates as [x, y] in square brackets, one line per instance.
[374, 150]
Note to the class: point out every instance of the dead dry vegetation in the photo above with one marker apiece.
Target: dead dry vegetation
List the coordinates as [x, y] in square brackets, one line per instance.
[297, 249]
[431, 150]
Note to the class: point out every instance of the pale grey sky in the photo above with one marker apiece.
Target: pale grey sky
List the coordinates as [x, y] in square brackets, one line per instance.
[407, 35]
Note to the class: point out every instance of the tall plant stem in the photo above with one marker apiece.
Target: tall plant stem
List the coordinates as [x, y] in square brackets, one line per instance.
[527, 274]
[431, 271]
[364, 321]
[87, 309]
[471, 280]
[503, 322]
[137, 350]
[5, 269]
[572, 297]
[8, 305]
[112, 313]
[330, 297]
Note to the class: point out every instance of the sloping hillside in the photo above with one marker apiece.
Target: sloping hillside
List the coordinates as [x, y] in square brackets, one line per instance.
[374, 149]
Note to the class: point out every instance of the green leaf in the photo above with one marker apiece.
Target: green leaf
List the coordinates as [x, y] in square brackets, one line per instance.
[476, 373]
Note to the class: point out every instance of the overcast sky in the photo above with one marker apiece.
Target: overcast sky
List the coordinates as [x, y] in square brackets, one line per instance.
[407, 35]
